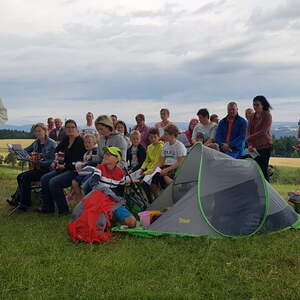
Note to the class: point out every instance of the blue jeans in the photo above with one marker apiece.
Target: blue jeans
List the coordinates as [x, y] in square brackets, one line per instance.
[53, 184]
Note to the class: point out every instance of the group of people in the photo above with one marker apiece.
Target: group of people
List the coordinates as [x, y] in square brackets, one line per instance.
[92, 159]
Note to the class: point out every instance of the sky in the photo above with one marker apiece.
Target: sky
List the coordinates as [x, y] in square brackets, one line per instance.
[62, 58]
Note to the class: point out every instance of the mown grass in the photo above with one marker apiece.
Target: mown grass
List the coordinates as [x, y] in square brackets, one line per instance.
[38, 261]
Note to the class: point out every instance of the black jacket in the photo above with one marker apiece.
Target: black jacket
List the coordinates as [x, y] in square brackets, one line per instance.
[141, 156]
[73, 154]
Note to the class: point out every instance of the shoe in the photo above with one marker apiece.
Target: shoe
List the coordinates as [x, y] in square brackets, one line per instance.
[12, 202]
[44, 211]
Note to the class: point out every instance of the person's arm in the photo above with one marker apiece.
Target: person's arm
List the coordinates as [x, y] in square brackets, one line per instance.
[238, 142]
[194, 135]
[141, 154]
[264, 129]
[77, 151]
[49, 154]
[173, 167]
[220, 133]
[212, 135]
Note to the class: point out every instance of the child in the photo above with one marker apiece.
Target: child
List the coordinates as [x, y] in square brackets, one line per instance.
[136, 154]
[171, 157]
[153, 152]
[90, 145]
[105, 198]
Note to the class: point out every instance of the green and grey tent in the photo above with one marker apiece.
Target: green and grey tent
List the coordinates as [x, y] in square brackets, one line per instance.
[216, 195]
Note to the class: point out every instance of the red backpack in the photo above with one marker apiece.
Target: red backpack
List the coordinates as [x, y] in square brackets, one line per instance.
[93, 224]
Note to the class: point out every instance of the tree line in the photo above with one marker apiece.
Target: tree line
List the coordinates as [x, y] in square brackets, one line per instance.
[15, 134]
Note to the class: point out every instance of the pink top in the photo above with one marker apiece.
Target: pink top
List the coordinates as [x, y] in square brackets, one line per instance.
[259, 130]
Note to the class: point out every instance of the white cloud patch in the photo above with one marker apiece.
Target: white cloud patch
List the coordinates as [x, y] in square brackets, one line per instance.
[146, 54]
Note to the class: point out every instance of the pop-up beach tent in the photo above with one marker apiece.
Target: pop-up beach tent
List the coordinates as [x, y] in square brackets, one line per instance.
[216, 195]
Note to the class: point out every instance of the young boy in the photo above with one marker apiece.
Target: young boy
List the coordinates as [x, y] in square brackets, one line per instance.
[92, 216]
[90, 144]
[171, 157]
[136, 154]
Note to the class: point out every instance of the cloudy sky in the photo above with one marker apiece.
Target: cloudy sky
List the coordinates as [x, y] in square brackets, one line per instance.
[64, 58]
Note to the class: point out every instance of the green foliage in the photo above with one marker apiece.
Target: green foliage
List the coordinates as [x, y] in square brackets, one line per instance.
[1, 159]
[10, 159]
[285, 175]
[283, 147]
[15, 134]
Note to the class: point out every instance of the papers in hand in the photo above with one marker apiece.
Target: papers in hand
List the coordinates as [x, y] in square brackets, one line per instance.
[253, 153]
[148, 178]
[134, 176]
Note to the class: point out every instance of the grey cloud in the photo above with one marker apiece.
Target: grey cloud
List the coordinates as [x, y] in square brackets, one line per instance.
[277, 19]
[209, 7]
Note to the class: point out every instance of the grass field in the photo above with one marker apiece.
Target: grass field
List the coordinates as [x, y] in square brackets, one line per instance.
[38, 261]
[285, 162]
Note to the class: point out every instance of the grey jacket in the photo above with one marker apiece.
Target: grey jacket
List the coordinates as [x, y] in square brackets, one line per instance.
[113, 140]
[47, 152]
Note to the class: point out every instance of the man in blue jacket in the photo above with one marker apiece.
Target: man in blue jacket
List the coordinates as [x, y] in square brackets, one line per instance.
[231, 132]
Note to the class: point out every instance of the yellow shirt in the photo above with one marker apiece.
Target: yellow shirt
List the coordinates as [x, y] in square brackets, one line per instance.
[153, 155]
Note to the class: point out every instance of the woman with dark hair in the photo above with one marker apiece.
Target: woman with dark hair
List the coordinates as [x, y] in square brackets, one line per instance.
[122, 129]
[189, 132]
[259, 133]
[69, 151]
[41, 152]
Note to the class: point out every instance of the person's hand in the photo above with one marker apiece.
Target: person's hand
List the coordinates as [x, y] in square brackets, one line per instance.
[226, 147]
[130, 171]
[250, 148]
[53, 164]
[78, 166]
[88, 157]
[163, 172]
[60, 167]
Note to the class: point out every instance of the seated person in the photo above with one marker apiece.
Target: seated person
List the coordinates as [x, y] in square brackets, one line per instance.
[136, 154]
[108, 179]
[171, 157]
[68, 152]
[44, 147]
[153, 152]
[90, 144]
[231, 132]
[205, 126]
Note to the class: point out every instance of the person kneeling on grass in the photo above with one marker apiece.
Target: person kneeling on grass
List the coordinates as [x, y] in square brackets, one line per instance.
[92, 216]
[172, 155]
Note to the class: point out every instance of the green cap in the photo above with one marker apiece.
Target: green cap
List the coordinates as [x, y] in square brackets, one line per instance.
[115, 151]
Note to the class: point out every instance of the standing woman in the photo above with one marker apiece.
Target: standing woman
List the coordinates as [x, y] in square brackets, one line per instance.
[259, 133]
[42, 147]
[69, 151]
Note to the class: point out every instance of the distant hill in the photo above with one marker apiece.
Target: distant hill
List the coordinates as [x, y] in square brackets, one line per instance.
[279, 129]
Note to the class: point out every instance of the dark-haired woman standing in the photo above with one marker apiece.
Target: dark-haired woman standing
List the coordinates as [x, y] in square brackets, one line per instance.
[259, 133]
[69, 151]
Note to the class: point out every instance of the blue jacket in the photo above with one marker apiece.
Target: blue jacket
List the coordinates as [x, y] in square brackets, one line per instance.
[238, 136]
[47, 152]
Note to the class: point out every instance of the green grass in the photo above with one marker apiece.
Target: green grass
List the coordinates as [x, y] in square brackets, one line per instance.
[38, 261]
